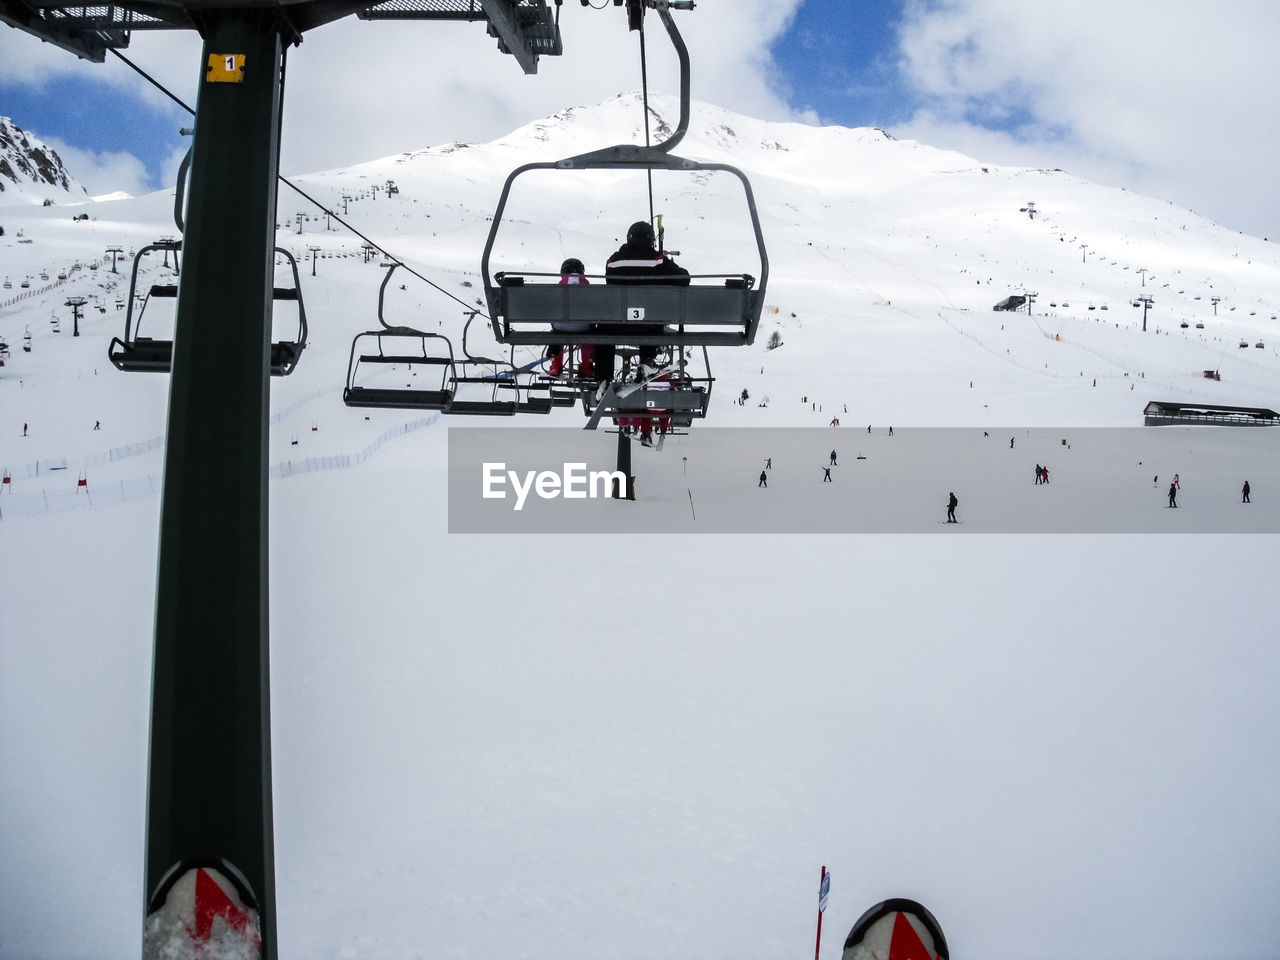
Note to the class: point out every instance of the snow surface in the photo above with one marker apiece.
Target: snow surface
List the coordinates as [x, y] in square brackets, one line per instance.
[579, 746]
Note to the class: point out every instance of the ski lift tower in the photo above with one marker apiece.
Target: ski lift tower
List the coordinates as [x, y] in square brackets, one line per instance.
[75, 303]
[209, 834]
[1146, 302]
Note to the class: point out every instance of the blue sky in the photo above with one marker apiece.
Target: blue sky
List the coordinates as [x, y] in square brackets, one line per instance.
[1163, 97]
[839, 59]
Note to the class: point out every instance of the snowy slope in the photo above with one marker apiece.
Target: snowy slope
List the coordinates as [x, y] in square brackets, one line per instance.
[646, 745]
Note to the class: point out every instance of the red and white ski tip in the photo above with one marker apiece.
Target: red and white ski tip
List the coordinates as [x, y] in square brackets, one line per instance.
[203, 916]
[897, 929]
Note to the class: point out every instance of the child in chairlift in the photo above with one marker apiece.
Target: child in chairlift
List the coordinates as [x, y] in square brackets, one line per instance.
[572, 272]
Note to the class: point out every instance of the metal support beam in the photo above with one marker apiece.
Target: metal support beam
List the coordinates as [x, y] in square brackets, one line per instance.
[209, 785]
[504, 22]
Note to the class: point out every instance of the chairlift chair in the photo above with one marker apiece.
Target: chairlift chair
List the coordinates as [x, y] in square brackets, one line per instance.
[137, 353]
[712, 310]
[484, 381]
[374, 351]
[679, 399]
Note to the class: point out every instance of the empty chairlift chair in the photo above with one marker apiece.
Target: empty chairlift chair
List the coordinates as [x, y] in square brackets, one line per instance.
[485, 388]
[382, 373]
[138, 352]
[373, 379]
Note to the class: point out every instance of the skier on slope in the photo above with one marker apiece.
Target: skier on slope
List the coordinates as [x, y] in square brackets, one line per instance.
[952, 503]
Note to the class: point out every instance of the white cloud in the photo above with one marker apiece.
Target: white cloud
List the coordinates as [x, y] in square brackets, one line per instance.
[170, 56]
[358, 90]
[103, 172]
[1167, 98]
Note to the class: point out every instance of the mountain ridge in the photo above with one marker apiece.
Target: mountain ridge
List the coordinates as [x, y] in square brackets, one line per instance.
[33, 169]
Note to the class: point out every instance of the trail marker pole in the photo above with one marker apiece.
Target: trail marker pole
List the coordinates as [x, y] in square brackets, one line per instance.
[824, 887]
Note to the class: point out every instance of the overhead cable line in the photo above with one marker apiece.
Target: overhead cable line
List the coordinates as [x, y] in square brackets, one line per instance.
[644, 96]
[310, 199]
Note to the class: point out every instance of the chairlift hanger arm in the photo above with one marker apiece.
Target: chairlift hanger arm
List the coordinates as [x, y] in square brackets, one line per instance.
[625, 157]
[635, 16]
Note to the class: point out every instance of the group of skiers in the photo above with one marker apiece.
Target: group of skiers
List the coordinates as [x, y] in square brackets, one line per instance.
[1042, 476]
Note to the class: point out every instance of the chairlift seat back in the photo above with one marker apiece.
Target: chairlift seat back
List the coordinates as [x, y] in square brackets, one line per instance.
[385, 398]
[483, 408]
[699, 314]
[660, 401]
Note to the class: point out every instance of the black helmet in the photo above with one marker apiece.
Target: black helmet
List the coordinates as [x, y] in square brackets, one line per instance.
[640, 232]
[572, 265]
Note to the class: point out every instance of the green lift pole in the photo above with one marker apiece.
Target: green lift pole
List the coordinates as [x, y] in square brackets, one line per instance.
[209, 788]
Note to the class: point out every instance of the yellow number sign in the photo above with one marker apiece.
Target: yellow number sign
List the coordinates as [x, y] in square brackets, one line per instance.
[225, 68]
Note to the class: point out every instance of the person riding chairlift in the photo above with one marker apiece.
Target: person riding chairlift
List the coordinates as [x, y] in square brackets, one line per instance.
[640, 261]
[642, 421]
[572, 272]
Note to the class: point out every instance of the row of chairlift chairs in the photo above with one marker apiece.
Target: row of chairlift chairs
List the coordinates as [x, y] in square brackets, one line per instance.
[534, 309]
[44, 275]
[381, 373]
[528, 309]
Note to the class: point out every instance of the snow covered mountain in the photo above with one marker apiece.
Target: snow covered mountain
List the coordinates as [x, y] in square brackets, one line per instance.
[31, 171]
[867, 234]
[589, 747]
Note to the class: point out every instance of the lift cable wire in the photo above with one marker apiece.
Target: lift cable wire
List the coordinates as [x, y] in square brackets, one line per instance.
[644, 97]
[320, 206]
